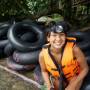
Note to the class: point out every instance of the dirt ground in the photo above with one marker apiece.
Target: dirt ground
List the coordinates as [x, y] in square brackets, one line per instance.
[9, 81]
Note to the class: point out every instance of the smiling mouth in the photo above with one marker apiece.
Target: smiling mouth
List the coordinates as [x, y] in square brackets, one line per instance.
[58, 44]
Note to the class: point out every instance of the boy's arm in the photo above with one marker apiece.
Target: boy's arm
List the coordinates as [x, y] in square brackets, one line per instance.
[44, 71]
[82, 62]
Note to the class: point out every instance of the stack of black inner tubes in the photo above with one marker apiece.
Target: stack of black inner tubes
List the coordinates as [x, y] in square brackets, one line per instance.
[4, 26]
[25, 42]
[21, 43]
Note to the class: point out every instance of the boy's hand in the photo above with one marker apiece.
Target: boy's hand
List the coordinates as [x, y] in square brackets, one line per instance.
[44, 87]
[70, 87]
[51, 88]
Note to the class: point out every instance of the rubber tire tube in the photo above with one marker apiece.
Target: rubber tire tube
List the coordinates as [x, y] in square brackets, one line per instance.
[2, 54]
[29, 37]
[4, 24]
[4, 27]
[88, 60]
[3, 32]
[3, 43]
[8, 50]
[27, 57]
[17, 67]
[82, 39]
[87, 55]
[20, 44]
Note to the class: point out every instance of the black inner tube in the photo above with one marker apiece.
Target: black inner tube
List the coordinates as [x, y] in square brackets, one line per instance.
[21, 28]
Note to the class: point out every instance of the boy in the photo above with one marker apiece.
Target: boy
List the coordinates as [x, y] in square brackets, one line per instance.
[67, 54]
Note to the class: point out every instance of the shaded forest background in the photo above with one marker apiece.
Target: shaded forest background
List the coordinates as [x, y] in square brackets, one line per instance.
[76, 12]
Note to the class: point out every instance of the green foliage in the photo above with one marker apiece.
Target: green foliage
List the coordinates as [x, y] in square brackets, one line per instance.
[80, 15]
[38, 7]
[66, 8]
[9, 8]
[27, 8]
[77, 15]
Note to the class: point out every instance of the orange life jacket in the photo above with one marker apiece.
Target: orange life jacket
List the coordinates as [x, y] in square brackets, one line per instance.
[70, 65]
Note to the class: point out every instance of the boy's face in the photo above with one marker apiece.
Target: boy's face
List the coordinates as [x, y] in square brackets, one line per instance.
[57, 40]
